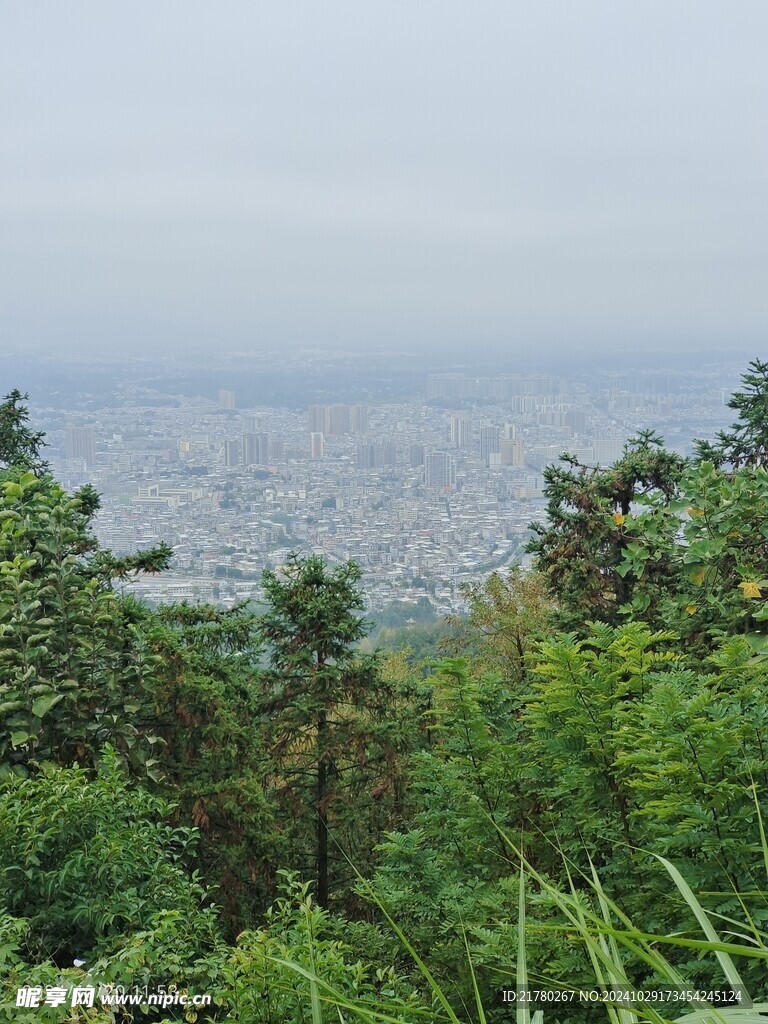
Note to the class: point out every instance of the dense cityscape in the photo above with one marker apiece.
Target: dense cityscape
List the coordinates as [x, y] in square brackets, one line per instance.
[428, 484]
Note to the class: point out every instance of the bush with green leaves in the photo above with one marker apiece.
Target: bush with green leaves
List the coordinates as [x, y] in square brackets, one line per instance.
[88, 862]
[445, 879]
[639, 752]
[715, 532]
[507, 615]
[73, 669]
[581, 545]
[295, 969]
[619, 753]
[214, 757]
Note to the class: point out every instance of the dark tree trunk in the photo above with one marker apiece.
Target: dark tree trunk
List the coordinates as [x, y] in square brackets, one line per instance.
[321, 821]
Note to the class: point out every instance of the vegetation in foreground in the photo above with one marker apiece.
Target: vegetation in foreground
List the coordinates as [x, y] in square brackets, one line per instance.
[259, 808]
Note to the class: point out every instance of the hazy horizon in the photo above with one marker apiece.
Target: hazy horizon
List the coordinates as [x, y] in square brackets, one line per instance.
[542, 179]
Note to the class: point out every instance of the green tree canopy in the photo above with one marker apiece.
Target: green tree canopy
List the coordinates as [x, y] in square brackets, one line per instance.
[74, 670]
[746, 443]
[19, 446]
[328, 717]
[582, 542]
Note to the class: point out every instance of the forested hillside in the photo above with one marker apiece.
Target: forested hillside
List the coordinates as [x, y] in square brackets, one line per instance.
[260, 809]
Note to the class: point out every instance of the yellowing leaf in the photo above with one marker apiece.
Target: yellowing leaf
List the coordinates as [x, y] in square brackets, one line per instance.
[751, 589]
[691, 609]
[618, 518]
[697, 577]
[695, 512]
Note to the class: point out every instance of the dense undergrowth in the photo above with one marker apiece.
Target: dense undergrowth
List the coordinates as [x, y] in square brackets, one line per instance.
[570, 791]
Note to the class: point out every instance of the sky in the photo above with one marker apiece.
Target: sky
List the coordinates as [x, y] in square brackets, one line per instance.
[430, 175]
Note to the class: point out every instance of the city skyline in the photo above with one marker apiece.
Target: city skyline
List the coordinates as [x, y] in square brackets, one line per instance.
[429, 485]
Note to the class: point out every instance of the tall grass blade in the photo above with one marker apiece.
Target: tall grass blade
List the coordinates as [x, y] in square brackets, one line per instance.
[522, 1011]
[587, 923]
[335, 998]
[475, 989]
[723, 958]
[618, 976]
[314, 994]
[761, 824]
[728, 1015]
[597, 951]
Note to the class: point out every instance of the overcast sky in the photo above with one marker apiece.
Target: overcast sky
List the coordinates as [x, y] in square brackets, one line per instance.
[423, 173]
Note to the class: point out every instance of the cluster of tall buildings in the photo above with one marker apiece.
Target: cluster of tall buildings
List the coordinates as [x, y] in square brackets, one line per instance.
[498, 446]
[253, 449]
[376, 455]
[336, 420]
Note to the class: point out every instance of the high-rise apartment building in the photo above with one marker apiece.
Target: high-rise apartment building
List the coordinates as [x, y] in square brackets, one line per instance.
[608, 450]
[489, 442]
[226, 399]
[576, 419]
[416, 455]
[512, 453]
[366, 456]
[256, 449]
[276, 451]
[461, 431]
[80, 443]
[358, 415]
[262, 448]
[316, 445]
[338, 420]
[317, 419]
[231, 454]
[451, 386]
[387, 453]
[249, 449]
[440, 470]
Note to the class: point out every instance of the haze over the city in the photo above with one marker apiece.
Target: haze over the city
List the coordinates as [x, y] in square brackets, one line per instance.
[574, 178]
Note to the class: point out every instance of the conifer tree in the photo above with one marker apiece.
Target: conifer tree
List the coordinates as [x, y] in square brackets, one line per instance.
[322, 701]
[582, 544]
[746, 443]
[19, 446]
